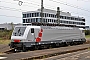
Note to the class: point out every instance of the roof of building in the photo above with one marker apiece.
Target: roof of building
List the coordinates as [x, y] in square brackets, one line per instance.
[53, 12]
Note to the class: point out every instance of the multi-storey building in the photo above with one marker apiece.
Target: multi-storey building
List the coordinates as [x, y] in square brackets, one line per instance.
[49, 16]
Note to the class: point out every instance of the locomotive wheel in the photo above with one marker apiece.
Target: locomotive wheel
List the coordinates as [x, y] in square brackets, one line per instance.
[24, 49]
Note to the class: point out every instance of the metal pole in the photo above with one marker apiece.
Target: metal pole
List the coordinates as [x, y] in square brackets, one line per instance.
[58, 15]
[41, 11]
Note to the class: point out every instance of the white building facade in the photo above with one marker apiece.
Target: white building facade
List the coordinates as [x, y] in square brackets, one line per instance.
[49, 16]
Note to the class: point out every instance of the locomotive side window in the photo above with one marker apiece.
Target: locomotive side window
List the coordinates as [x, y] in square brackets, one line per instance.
[32, 30]
[19, 31]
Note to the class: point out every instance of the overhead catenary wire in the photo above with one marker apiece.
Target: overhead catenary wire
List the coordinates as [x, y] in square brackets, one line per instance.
[20, 9]
[33, 5]
[84, 0]
[63, 10]
[15, 9]
[9, 8]
[67, 4]
[70, 5]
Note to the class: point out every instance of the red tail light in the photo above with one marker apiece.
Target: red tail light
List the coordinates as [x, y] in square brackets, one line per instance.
[38, 39]
[16, 40]
[40, 34]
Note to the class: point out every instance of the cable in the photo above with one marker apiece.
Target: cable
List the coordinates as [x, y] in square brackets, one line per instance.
[52, 6]
[34, 4]
[15, 8]
[23, 5]
[44, 4]
[84, 0]
[70, 5]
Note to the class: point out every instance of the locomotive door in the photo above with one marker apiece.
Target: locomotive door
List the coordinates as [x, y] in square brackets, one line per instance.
[33, 34]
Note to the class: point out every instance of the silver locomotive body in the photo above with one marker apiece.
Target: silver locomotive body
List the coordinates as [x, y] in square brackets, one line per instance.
[28, 36]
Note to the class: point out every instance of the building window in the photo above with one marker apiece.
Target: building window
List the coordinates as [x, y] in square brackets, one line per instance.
[46, 20]
[70, 22]
[83, 23]
[49, 15]
[27, 15]
[65, 17]
[39, 19]
[72, 18]
[52, 20]
[60, 21]
[38, 14]
[36, 19]
[83, 20]
[24, 15]
[28, 20]
[35, 15]
[23, 20]
[68, 18]
[45, 15]
[73, 22]
[43, 20]
[75, 18]
[61, 17]
[31, 20]
[32, 15]
[55, 16]
[78, 19]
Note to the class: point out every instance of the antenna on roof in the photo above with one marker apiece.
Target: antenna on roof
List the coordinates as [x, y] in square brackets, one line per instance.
[58, 15]
[41, 11]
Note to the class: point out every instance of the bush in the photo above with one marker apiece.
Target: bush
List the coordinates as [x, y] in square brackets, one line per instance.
[6, 34]
[87, 32]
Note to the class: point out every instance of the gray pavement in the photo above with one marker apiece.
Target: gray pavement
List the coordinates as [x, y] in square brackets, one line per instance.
[3, 48]
[80, 55]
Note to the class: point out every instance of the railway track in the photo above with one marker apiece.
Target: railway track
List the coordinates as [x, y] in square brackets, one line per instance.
[45, 53]
[40, 54]
[10, 51]
[59, 51]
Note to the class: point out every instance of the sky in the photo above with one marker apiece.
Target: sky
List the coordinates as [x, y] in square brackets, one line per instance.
[11, 11]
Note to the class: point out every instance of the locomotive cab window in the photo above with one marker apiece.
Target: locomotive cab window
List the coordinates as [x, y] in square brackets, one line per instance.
[32, 30]
[19, 31]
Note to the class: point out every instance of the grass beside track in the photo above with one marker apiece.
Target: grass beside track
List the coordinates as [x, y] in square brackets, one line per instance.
[5, 41]
[87, 36]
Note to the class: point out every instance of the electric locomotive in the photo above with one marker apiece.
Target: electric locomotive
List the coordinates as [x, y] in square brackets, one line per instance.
[24, 37]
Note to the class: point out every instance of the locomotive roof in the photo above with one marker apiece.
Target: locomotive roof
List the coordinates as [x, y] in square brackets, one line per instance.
[50, 27]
